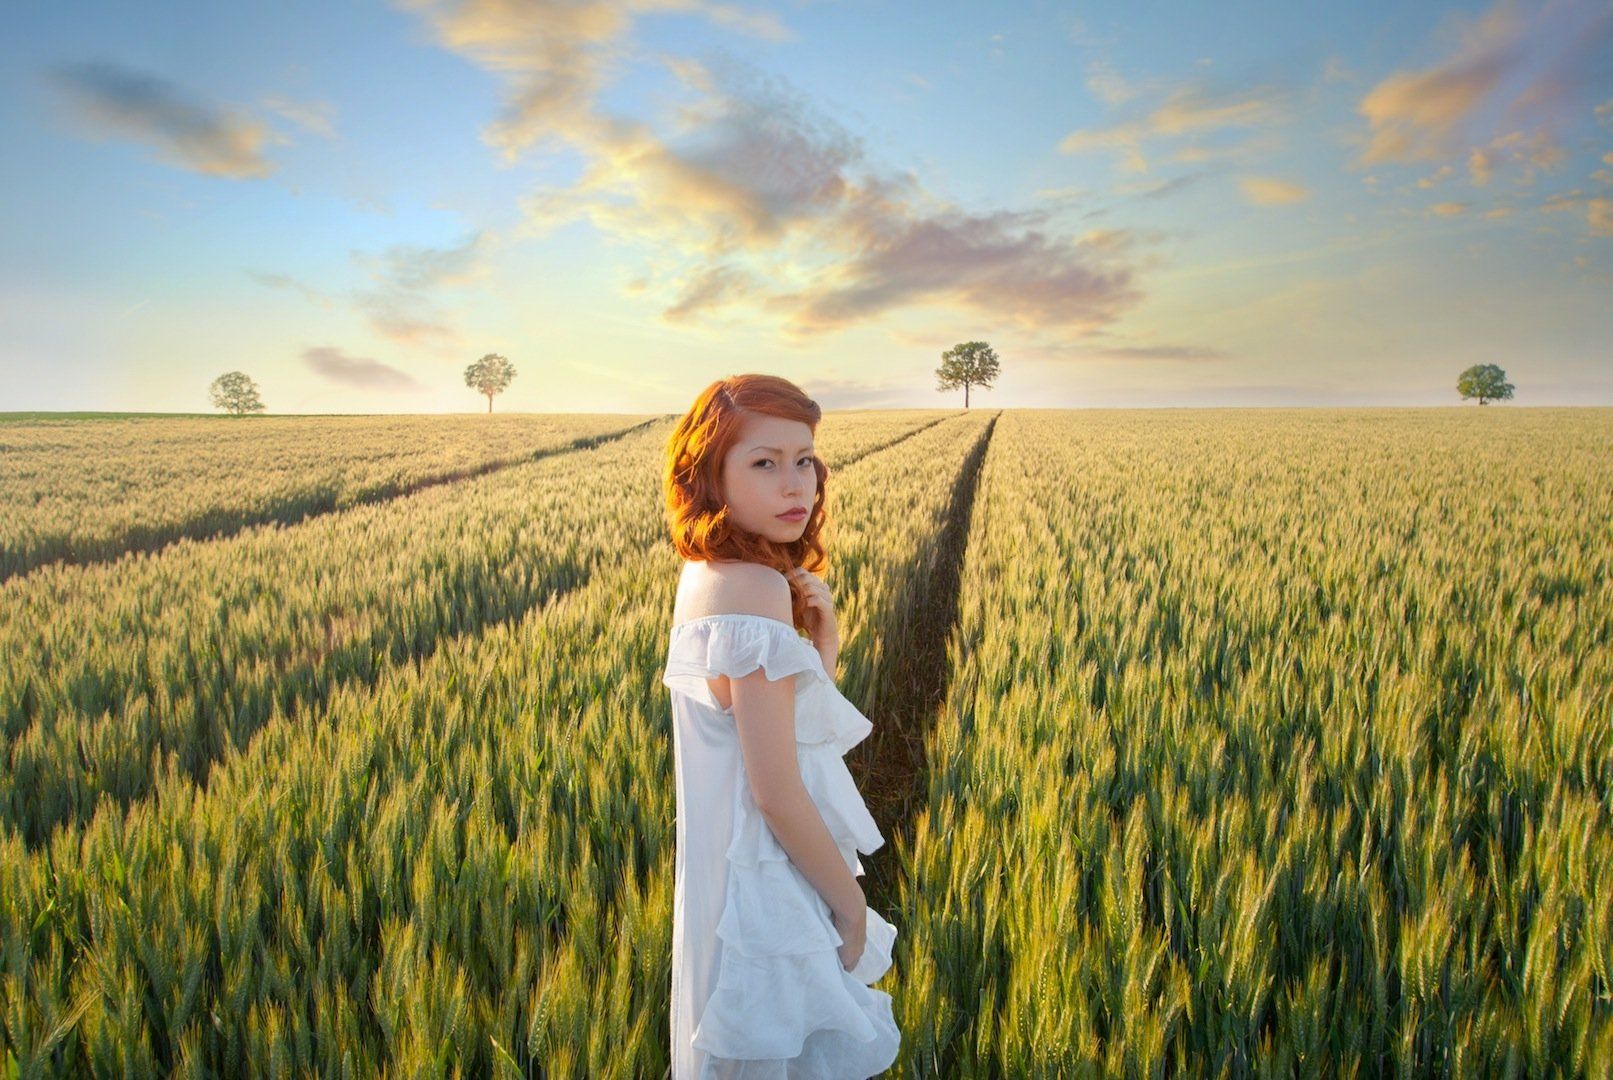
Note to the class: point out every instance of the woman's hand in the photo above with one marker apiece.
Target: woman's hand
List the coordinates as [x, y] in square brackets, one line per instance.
[854, 933]
[820, 614]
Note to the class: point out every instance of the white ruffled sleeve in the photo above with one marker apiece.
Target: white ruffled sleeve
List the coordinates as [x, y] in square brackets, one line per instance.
[735, 644]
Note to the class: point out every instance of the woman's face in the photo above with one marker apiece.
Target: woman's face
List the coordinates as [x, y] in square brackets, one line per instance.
[769, 470]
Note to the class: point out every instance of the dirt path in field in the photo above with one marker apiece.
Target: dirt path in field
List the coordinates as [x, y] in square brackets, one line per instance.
[890, 763]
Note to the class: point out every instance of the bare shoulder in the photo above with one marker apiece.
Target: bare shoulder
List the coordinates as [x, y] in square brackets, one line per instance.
[732, 588]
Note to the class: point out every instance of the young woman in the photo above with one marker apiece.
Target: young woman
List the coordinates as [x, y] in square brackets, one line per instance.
[774, 948]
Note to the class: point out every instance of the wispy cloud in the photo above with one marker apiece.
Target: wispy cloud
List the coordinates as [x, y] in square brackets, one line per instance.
[113, 100]
[1527, 153]
[1598, 209]
[707, 288]
[400, 305]
[1107, 84]
[318, 117]
[355, 371]
[282, 281]
[1270, 191]
[1158, 189]
[1194, 109]
[1077, 352]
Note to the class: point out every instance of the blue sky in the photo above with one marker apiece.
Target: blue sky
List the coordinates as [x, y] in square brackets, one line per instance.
[1135, 204]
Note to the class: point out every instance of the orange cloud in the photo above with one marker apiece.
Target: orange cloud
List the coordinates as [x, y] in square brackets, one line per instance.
[1267, 191]
[1528, 153]
[1431, 113]
[1598, 210]
[1195, 109]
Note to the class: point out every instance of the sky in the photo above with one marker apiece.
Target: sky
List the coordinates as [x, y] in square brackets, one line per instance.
[1138, 204]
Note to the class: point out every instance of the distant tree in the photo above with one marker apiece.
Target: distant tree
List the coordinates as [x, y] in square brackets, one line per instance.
[1484, 381]
[236, 392]
[972, 363]
[489, 375]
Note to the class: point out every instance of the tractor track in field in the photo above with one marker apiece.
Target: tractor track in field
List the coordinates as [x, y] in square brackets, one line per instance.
[891, 763]
[152, 541]
[888, 443]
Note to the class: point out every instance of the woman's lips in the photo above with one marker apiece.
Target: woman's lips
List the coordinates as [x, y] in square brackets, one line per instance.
[793, 515]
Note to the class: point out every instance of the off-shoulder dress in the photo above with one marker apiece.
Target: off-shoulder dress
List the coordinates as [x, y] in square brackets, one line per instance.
[758, 989]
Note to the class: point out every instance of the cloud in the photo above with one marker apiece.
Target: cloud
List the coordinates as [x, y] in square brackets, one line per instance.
[998, 264]
[358, 372]
[554, 56]
[1158, 189]
[1107, 85]
[1063, 352]
[755, 198]
[1442, 173]
[400, 304]
[1598, 210]
[1528, 153]
[315, 116]
[1198, 108]
[751, 166]
[1335, 70]
[1268, 191]
[409, 267]
[1448, 209]
[709, 287]
[1599, 215]
[1524, 70]
[399, 308]
[114, 100]
[1195, 353]
[281, 281]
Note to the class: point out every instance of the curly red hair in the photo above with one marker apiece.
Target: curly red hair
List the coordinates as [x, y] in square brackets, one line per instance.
[692, 481]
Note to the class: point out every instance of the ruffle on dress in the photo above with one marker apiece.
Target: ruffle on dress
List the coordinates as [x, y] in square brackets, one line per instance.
[782, 997]
[736, 644]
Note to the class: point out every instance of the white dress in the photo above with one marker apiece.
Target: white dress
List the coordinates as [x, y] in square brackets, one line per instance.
[758, 989]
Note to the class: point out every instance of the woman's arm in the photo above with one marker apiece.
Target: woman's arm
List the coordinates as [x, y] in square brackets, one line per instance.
[764, 713]
[800, 830]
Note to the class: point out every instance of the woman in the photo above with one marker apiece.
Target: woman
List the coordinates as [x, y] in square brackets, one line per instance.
[774, 948]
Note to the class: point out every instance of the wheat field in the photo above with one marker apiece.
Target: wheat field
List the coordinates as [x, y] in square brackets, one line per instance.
[1207, 742]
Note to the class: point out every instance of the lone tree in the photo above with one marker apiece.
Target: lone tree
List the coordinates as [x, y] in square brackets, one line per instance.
[236, 392]
[1485, 382]
[972, 363]
[489, 375]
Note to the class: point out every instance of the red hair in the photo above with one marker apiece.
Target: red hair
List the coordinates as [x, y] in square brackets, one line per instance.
[692, 481]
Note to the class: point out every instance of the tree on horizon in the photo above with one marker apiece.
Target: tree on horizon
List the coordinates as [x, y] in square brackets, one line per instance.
[970, 363]
[235, 392]
[1487, 382]
[489, 375]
